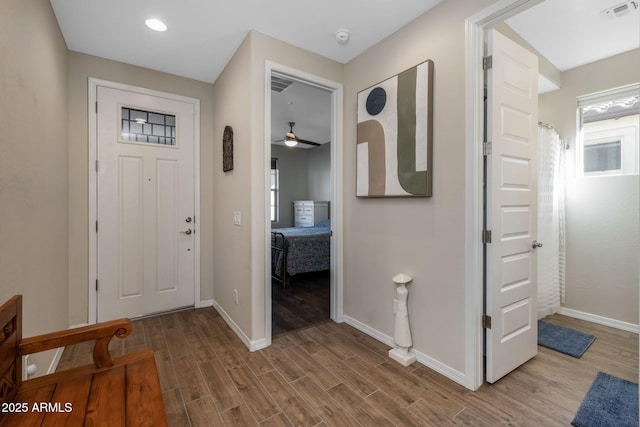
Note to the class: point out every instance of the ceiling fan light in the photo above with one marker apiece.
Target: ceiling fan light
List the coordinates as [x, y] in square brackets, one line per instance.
[290, 139]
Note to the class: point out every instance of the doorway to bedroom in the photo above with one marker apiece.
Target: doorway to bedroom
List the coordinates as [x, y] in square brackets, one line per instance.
[302, 141]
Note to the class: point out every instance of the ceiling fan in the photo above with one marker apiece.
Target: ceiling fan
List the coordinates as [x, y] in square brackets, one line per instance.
[291, 140]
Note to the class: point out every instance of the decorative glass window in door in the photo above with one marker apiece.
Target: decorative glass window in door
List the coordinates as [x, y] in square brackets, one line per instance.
[148, 126]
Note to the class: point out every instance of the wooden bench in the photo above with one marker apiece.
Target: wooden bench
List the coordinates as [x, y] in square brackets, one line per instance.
[121, 391]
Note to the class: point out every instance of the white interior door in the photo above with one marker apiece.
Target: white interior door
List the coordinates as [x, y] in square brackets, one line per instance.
[145, 204]
[512, 119]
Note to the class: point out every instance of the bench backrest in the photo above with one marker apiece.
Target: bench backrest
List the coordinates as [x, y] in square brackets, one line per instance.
[10, 337]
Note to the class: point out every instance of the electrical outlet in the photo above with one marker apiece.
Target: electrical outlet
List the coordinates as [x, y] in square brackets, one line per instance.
[235, 296]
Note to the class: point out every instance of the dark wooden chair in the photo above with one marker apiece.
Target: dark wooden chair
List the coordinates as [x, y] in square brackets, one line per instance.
[121, 391]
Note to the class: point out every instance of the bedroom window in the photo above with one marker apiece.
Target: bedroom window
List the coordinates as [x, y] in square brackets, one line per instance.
[275, 190]
[610, 132]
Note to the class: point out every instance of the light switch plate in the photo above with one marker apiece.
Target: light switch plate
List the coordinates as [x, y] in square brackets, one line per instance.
[237, 218]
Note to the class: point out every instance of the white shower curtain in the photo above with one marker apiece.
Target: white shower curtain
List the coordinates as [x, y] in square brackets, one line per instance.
[551, 256]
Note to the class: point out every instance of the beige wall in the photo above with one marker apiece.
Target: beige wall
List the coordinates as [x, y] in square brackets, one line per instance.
[33, 166]
[319, 172]
[267, 48]
[601, 212]
[232, 190]
[80, 68]
[422, 237]
[239, 261]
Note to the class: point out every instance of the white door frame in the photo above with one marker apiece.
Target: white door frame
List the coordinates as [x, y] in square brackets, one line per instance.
[93, 193]
[474, 201]
[336, 89]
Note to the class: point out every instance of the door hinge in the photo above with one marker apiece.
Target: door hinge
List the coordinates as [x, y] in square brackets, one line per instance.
[487, 62]
[96, 226]
[486, 321]
[96, 285]
[96, 107]
[96, 166]
[486, 236]
[486, 148]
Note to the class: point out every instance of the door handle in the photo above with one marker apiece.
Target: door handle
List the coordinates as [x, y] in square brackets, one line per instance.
[536, 244]
[188, 219]
[189, 231]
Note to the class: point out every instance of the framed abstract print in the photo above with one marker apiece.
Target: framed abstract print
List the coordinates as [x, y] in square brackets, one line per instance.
[394, 154]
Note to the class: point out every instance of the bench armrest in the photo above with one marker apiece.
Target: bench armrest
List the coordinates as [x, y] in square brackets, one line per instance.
[101, 332]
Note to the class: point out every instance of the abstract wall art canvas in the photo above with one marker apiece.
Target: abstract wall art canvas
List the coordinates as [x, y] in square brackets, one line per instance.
[394, 151]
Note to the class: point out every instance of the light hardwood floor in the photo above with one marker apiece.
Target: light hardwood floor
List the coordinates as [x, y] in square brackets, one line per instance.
[333, 375]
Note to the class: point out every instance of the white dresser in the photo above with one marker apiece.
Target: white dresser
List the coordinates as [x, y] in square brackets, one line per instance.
[307, 213]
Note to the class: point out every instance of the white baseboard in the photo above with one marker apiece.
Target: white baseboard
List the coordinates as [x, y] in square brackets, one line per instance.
[373, 333]
[205, 303]
[428, 361]
[619, 324]
[252, 345]
[258, 344]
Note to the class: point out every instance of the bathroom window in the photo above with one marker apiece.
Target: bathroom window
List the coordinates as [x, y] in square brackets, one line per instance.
[147, 127]
[603, 156]
[610, 134]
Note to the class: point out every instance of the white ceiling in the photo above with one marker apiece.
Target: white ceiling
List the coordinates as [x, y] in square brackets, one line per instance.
[571, 33]
[203, 35]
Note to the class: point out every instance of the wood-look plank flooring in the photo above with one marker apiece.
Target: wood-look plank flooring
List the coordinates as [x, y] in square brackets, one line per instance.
[306, 301]
[333, 375]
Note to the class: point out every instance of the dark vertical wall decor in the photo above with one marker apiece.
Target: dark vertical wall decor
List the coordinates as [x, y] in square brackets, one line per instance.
[227, 149]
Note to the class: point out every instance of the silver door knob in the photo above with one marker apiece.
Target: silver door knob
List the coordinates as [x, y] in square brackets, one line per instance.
[187, 232]
[536, 244]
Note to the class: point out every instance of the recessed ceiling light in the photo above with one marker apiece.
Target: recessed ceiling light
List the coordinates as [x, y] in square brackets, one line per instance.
[156, 24]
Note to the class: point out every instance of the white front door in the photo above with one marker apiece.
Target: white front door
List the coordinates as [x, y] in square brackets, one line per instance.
[145, 203]
[511, 288]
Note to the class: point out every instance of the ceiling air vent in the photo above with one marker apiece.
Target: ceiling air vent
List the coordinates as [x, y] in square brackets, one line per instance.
[620, 9]
[279, 84]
